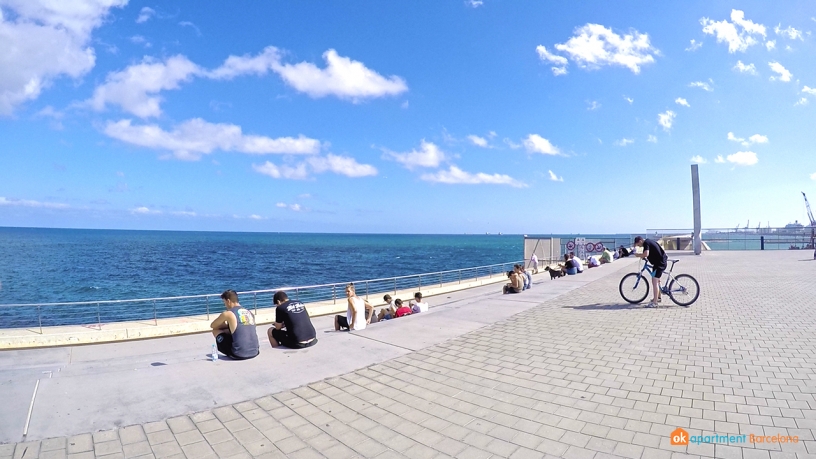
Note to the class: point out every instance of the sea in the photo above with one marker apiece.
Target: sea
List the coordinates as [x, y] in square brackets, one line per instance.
[39, 265]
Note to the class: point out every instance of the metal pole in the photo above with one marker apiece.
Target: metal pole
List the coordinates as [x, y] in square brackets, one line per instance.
[208, 306]
[155, 318]
[440, 279]
[98, 317]
[366, 290]
[762, 243]
[39, 318]
[255, 301]
[460, 276]
[395, 286]
[297, 294]
[420, 282]
[334, 293]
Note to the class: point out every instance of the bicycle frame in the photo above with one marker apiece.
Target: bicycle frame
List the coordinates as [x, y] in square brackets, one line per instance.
[650, 269]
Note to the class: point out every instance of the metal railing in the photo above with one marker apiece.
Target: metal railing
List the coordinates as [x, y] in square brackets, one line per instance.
[93, 314]
[787, 238]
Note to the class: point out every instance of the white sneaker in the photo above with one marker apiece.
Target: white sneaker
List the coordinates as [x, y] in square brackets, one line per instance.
[651, 304]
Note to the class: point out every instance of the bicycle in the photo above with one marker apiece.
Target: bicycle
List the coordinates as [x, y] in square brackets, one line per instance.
[683, 289]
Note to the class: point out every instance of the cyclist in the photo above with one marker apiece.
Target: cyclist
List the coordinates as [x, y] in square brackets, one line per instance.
[655, 255]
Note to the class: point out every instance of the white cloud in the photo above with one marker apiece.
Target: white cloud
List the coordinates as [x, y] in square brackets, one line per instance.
[770, 45]
[789, 32]
[813, 176]
[428, 155]
[666, 119]
[594, 105]
[191, 25]
[719, 159]
[628, 99]
[342, 77]
[681, 101]
[145, 211]
[743, 158]
[811, 91]
[734, 138]
[454, 175]
[292, 207]
[554, 177]
[235, 66]
[12, 202]
[298, 172]
[757, 138]
[698, 159]
[594, 46]
[559, 61]
[196, 137]
[136, 88]
[624, 142]
[739, 34]
[145, 14]
[342, 165]
[702, 85]
[511, 144]
[694, 46]
[42, 40]
[784, 74]
[474, 3]
[652, 139]
[478, 141]
[802, 101]
[534, 143]
[742, 68]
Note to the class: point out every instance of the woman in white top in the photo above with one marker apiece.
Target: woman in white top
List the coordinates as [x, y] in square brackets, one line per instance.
[355, 318]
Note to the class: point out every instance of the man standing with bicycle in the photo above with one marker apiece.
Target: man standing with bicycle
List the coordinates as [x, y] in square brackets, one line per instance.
[655, 255]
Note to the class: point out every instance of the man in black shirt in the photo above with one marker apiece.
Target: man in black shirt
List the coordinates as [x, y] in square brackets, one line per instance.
[655, 255]
[293, 328]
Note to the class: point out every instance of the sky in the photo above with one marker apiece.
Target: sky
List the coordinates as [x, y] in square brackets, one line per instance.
[423, 116]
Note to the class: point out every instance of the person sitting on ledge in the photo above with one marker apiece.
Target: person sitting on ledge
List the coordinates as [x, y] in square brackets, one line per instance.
[579, 262]
[593, 262]
[515, 285]
[417, 305]
[606, 256]
[234, 329]
[293, 328]
[358, 314]
[402, 310]
[527, 277]
[623, 252]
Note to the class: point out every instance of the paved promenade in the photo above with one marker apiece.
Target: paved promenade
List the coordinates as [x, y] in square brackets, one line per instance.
[564, 370]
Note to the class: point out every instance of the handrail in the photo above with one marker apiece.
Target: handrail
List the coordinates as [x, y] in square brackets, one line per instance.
[248, 292]
[95, 313]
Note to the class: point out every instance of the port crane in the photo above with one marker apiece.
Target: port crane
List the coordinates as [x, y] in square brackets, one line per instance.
[812, 226]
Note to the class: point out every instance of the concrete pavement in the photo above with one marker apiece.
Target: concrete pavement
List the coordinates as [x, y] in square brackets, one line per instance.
[541, 374]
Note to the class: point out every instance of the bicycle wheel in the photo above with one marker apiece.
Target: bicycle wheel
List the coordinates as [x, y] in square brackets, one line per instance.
[634, 288]
[684, 290]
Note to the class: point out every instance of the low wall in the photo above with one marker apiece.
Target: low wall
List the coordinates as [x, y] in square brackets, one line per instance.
[22, 338]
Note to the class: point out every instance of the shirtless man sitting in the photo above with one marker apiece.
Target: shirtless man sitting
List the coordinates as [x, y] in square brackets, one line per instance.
[515, 285]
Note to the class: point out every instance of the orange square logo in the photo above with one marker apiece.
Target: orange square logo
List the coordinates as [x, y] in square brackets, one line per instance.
[679, 437]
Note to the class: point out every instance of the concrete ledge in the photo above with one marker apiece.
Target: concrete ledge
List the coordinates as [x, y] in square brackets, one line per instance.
[24, 338]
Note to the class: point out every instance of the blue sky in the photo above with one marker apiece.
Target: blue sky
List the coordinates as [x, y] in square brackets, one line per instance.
[405, 117]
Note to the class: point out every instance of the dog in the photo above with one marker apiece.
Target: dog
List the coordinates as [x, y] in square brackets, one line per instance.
[554, 272]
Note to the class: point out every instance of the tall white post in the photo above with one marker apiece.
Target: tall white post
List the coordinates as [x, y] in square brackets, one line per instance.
[697, 237]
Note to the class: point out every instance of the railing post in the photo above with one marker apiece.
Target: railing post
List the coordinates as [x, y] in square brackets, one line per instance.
[440, 280]
[366, 290]
[155, 318]
[39, 318]
[491, 270]
[334, 293]
[395, 286]
[460, 276]
[420, 282]
[297, 294]
[98, 317]
[208, 306]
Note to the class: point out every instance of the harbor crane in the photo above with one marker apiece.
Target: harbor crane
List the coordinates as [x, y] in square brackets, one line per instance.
[812, 226]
